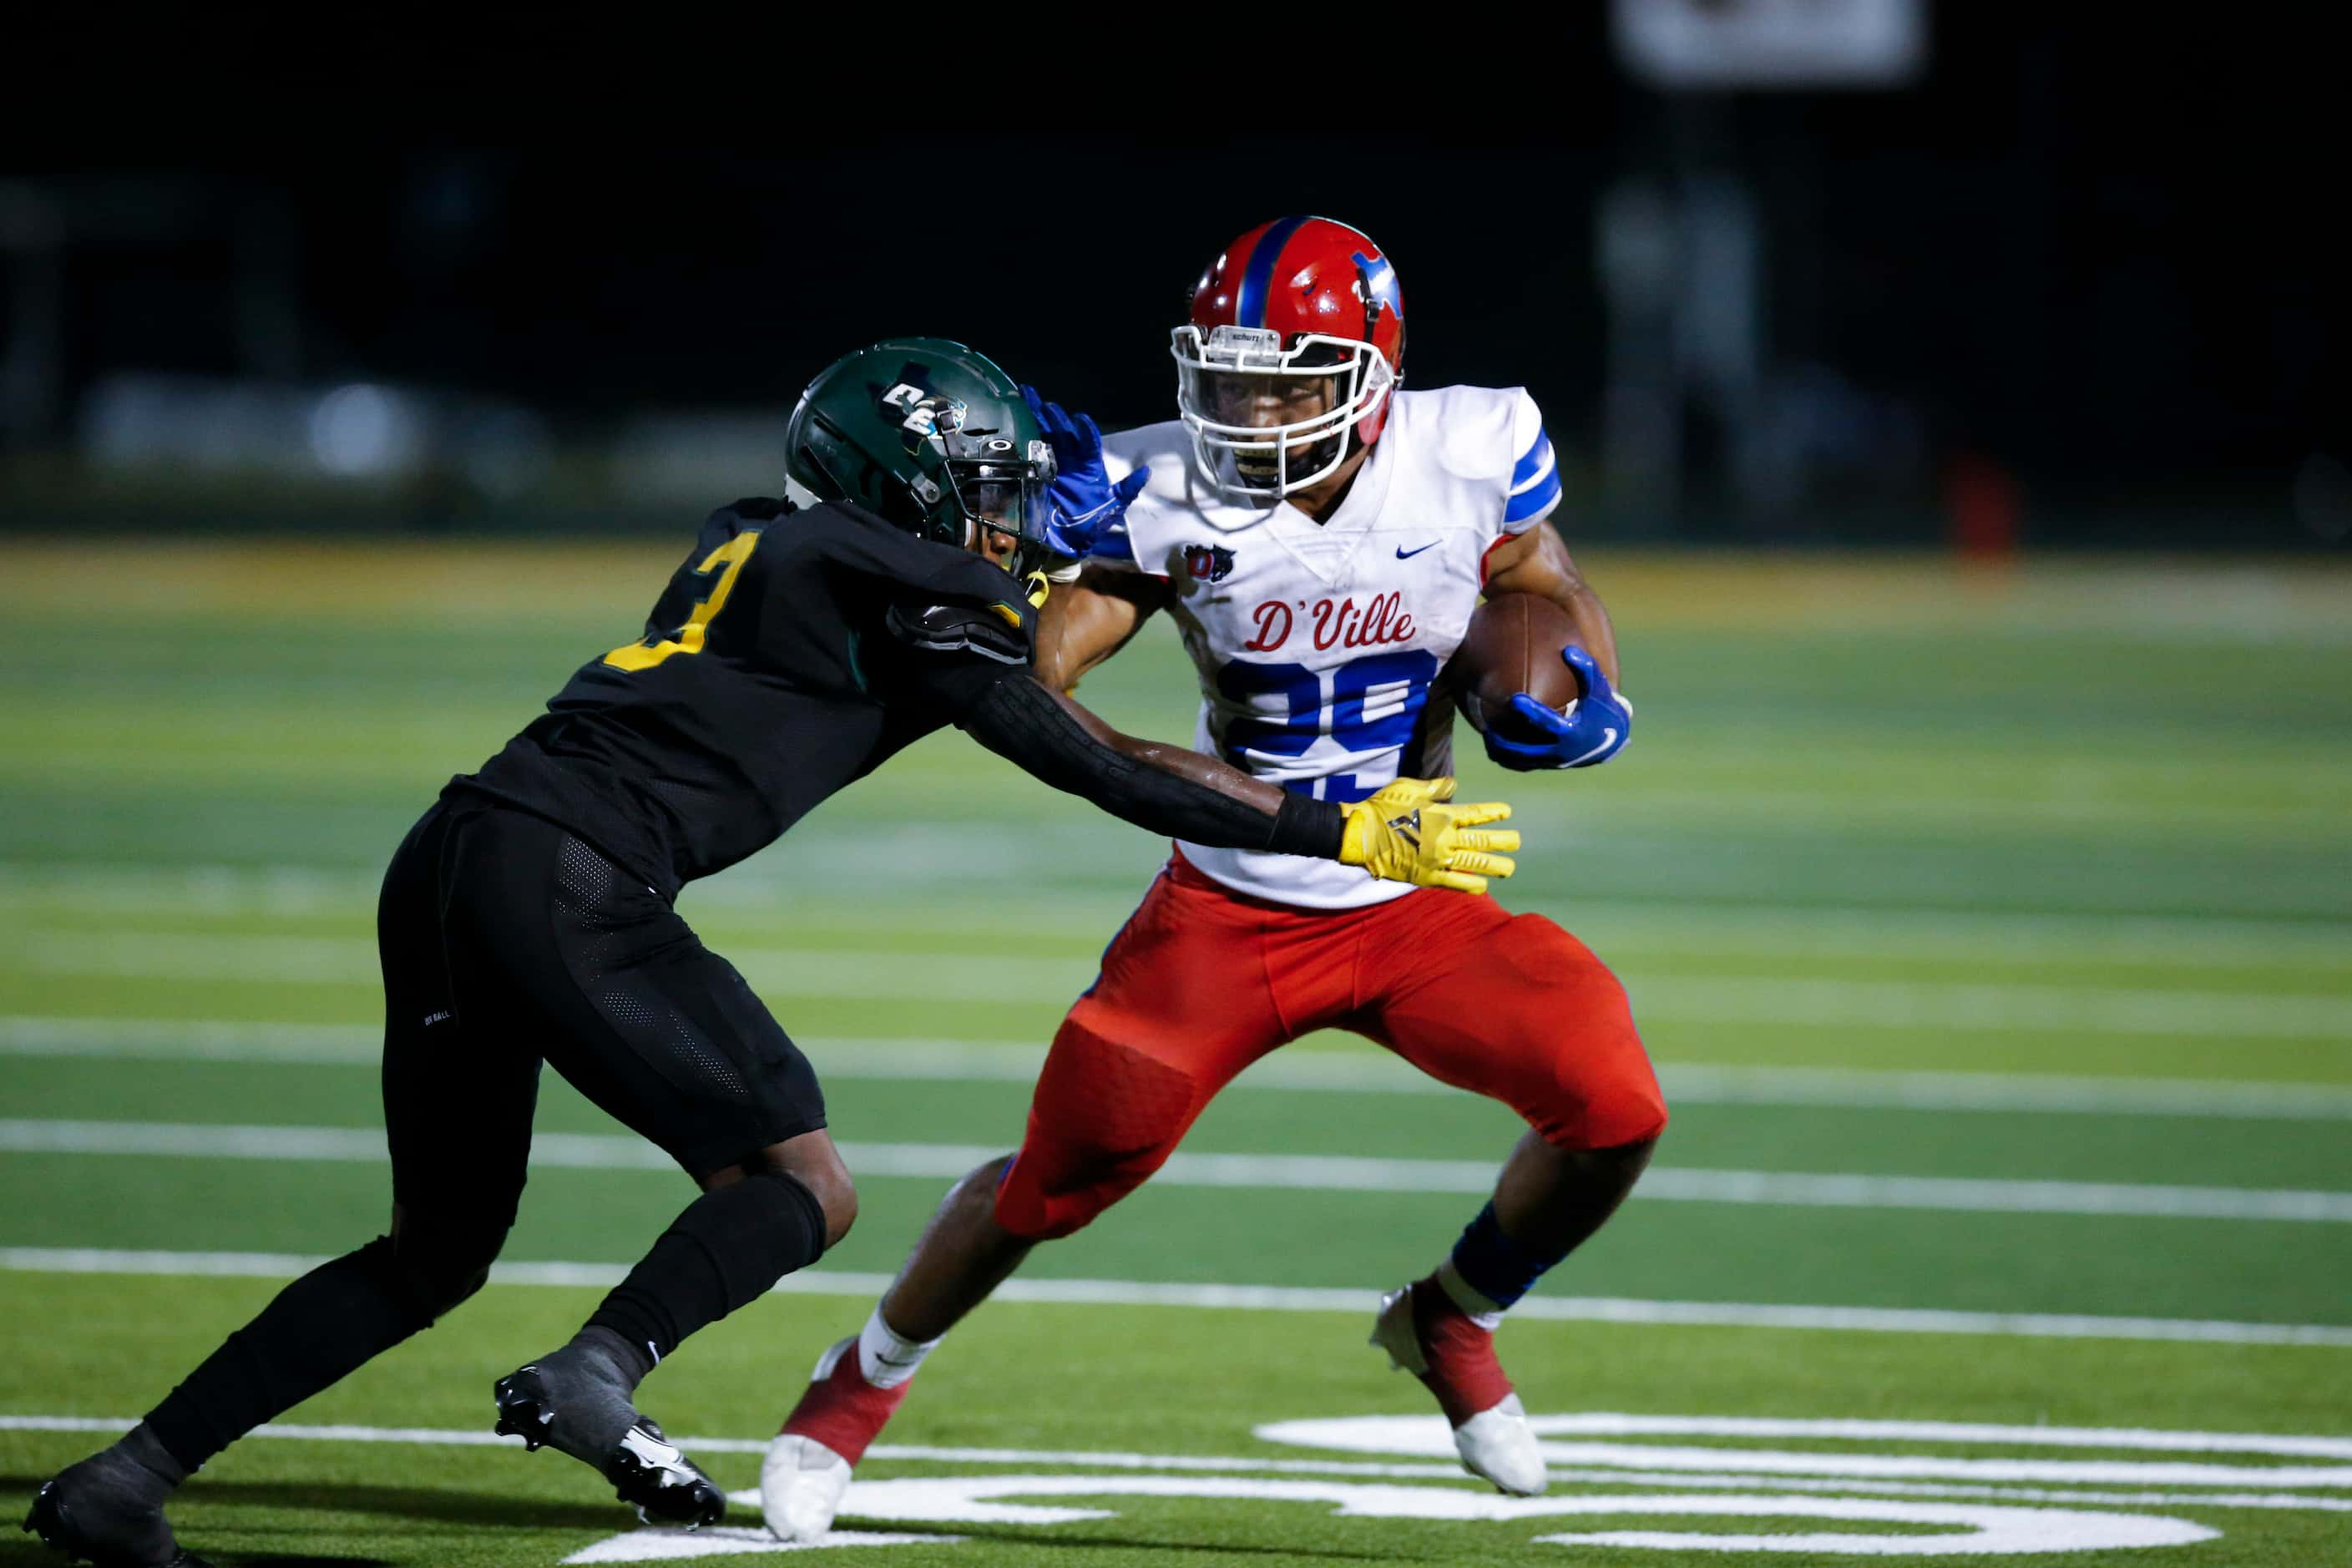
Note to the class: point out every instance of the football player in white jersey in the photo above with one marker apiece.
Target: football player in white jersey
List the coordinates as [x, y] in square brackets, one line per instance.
[1320, 538]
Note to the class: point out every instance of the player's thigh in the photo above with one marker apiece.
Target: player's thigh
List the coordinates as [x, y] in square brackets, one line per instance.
[571, 953]
[1513, 1007]
[457, 1093]
[691, 1057]
[1181, 1004]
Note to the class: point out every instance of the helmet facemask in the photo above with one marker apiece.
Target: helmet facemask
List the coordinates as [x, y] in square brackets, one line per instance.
[1236, 371]
[991, 484]
[935, 440]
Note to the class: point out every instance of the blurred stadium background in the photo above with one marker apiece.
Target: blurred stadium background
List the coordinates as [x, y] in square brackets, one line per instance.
[1771, 284]
[1953, 408]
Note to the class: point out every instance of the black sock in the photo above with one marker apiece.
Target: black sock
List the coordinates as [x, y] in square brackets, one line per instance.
[321, 1328]
[138, 1469]
[589, 1386]
[725, 1249]
[628, 1359]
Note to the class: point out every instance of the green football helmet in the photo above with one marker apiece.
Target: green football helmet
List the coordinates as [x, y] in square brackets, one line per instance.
[930, 437]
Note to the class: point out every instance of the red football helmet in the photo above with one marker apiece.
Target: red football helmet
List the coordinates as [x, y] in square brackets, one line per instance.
[1297, 337]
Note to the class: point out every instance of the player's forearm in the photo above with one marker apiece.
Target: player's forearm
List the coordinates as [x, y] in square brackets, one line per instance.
[1593, 632]
[1086, 622]
[1062, 665]
[1160, 788]
[1538, 563]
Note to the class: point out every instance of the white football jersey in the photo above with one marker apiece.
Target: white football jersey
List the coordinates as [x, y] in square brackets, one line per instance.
[1316, 643]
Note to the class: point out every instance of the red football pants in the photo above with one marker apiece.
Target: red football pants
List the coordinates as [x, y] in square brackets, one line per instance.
[1203, 981]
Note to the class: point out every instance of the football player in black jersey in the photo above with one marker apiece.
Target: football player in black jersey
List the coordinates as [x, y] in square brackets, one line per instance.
[528, 916]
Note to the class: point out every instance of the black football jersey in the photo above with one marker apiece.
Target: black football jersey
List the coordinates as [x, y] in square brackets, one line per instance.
[793, 652]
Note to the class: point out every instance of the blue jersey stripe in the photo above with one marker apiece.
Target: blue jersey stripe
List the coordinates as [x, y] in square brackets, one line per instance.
[1532, 460]
[1544, 470]
[1249, 308]
[1534, 501]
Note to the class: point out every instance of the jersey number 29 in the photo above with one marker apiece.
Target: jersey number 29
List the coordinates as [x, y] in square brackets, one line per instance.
[1373, 705]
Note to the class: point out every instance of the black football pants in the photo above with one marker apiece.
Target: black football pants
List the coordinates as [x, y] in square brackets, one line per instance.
[508, 941]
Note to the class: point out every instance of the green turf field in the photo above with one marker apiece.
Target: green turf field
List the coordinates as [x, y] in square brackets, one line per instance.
[1993, 935]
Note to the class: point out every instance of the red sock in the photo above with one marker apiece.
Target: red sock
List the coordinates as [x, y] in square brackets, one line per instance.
[1462, 1371]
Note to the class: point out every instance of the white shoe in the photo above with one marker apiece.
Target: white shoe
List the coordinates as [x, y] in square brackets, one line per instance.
[802, 1483]
[1498, 1446]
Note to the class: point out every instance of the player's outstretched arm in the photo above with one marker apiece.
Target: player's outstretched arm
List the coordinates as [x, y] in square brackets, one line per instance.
[1086, 622]
[1180, 793]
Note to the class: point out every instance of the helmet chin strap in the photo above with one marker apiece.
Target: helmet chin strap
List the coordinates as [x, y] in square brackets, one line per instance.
[1035, 584]
[1306, 458]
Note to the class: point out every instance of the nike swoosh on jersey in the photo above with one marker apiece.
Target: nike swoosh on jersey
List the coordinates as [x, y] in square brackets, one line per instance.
[1405, 555]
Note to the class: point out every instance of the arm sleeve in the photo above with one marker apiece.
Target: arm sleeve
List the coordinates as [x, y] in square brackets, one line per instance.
[1535, 476]
[1019, 720]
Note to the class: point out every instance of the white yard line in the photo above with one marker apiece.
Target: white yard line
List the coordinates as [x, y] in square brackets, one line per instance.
[2000, 1008]
[1014, 1061]
[1630, 1456]
[191, 1039]
[1350, 1301]
[1842, 1088]
[1318, 1172]
[862, 973]
[1663, 925]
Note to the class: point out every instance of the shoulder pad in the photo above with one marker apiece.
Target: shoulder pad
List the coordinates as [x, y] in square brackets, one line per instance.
[761, 509]
[997, 632]
[1465, 430]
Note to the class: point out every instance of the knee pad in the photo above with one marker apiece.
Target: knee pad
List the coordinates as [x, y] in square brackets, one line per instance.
[438, 1261]
[1626, 1107]
[1604, 1109]
[1105, 1116]
[755, 1232]
[1579, 1074]
[1038, 1204]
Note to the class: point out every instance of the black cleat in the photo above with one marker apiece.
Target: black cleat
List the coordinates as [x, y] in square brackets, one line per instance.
[647, 1472]
[653, 1475]
[86, 1535]
[524, 1412]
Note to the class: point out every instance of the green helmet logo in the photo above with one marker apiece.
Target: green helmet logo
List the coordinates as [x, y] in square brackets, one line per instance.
[930, 437]
[929, 416]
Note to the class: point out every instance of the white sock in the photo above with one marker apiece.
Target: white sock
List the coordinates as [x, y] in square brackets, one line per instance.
[1479, 1310]
[886, 1358]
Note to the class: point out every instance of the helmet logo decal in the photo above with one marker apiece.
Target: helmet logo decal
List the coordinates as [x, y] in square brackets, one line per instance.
[1377, 282]
[930, 416]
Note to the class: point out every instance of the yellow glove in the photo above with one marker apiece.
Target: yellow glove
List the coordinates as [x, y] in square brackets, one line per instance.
[1405, 835]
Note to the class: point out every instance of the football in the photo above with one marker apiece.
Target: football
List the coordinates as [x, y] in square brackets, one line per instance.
[1512, 645]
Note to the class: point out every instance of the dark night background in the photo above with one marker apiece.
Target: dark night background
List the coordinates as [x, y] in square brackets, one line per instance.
[2093, 261]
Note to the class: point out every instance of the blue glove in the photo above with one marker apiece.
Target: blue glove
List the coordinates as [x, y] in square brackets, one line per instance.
[1595, 729]
[1082, 504]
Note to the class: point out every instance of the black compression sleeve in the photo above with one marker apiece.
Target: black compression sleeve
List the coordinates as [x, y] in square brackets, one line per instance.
[1019, 721]
[1307, 826]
